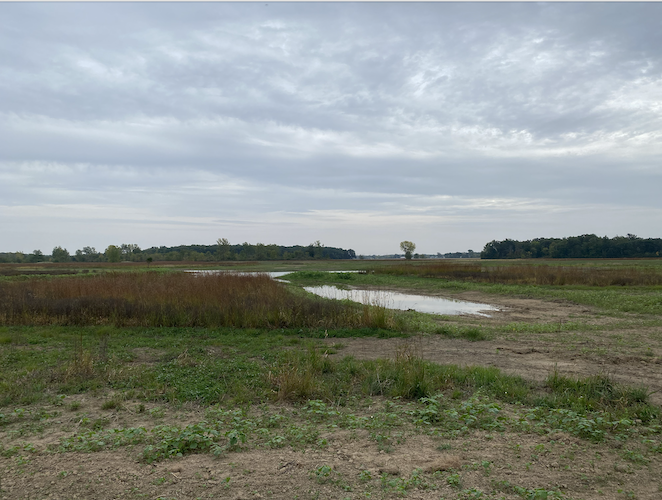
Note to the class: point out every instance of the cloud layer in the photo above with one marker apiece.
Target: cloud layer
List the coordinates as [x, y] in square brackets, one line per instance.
[360, 125]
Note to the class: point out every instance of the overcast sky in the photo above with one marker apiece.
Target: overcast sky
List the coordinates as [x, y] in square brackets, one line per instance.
[356, 124]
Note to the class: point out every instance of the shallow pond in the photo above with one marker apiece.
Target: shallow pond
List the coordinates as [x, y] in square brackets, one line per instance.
[404, 301]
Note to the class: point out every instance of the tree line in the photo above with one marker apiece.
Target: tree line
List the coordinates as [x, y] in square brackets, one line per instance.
[586, 246]
[222, 250]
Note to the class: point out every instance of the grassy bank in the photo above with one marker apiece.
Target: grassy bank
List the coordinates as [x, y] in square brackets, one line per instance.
[610, 299]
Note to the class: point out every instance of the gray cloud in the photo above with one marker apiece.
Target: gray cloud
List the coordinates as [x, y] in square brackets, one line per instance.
[356, 124]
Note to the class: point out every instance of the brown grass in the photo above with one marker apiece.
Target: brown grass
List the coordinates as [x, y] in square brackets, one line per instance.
[175, 299]
[539, 274]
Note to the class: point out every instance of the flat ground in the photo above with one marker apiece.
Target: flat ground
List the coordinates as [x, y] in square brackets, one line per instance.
[622, 350]
[86, 442]
[402, 461]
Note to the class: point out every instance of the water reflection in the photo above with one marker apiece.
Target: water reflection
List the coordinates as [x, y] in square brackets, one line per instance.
[404, 301]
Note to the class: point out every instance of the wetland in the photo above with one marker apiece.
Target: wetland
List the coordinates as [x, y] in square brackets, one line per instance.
[153, 383]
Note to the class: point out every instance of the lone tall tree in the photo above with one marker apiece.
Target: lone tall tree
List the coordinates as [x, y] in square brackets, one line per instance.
[223, 252]
[407, 247]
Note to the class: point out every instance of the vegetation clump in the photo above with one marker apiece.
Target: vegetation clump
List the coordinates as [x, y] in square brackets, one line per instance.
[177, 299]
[529, 274]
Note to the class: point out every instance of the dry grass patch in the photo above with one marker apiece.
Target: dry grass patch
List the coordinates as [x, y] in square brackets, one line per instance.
[529, 274]
[177, 299]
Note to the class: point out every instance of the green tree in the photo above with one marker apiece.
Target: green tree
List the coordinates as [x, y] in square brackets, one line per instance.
[407, 247]
[37, 256]
[247, 251]
[130, 251]
[318, 249]
[87, 254]
[223, 252]
[272, 252]
[60, 255]
[113, 254]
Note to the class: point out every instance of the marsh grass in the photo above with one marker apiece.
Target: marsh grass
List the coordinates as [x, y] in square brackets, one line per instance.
[597, 392]
[531, 274]
[178, 299]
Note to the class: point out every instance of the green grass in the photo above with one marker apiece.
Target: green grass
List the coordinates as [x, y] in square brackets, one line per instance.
[208, 365]
[230, 366]
[611, 300]
[271, 388]
[261, 389]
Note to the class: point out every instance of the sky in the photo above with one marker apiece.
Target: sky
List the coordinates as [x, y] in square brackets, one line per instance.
[356, 124]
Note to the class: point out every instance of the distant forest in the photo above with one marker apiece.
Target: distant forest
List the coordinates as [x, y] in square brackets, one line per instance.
[587, 246]
[223, 250]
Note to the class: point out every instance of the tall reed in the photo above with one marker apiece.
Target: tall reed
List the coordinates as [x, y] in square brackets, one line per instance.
[176, 299]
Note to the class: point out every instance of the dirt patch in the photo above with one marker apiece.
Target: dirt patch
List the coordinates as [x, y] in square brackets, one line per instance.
[515, 309]
[349, 467]
[147, 355]
[530, 359]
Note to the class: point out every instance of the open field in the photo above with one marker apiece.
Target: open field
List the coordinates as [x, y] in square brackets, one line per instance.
[154, 384]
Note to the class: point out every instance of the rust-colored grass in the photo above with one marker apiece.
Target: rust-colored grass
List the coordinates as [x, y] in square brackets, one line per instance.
[538, 274]
[175, 299]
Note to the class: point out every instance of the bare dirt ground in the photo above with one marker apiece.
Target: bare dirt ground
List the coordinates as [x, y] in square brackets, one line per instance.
[351, 466]
[514, 309]
[527, 358]
[631, 356]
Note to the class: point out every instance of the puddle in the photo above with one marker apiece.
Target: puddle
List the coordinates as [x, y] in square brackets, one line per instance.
[404, 301]
[392, 300]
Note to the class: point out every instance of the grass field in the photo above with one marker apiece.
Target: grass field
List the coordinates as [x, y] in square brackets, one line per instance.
[144, 382]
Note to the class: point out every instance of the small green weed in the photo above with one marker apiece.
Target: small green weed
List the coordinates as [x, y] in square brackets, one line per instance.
[156, 412]
[112, 404]
[528, 493]
[454, 480]
[323, 474]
